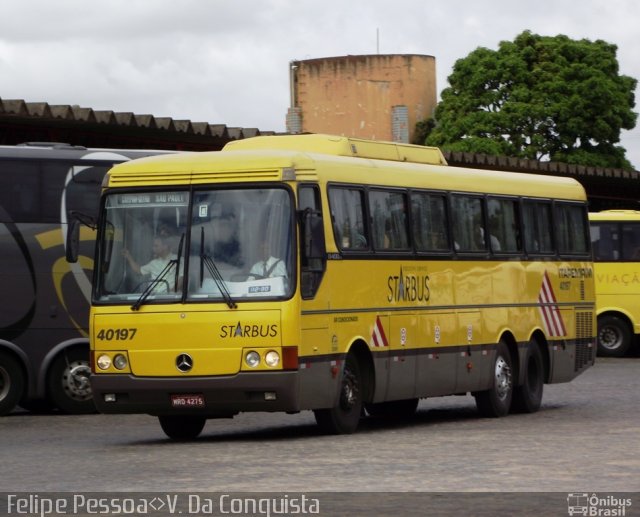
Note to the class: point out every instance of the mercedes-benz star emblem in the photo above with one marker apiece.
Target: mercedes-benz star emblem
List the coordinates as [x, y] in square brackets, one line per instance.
[184, 362]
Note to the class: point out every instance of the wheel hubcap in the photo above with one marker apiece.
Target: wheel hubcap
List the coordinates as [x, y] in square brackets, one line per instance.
[75, 380]
[610, 338]
[349, 395]
[5, 383]
[502, 378]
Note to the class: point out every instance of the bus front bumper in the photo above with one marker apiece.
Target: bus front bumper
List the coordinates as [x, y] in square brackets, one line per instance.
[207, 396]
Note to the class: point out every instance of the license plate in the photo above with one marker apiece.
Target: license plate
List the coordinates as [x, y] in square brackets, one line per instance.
[187, 401]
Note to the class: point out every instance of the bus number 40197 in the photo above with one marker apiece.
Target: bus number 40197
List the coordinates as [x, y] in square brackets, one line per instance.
[116, 334]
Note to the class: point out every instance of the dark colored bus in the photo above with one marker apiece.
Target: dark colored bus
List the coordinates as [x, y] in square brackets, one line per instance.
[44, 307]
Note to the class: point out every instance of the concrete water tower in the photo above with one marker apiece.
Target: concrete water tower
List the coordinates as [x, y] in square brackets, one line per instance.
[380, 97]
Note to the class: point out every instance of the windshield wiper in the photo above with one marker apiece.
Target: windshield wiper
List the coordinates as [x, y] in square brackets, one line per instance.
[152, 285]
[160, 278]
[214, 272]
[178, 263]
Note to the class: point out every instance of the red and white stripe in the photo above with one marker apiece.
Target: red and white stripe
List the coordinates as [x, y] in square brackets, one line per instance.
[549, 310]
[378, 337]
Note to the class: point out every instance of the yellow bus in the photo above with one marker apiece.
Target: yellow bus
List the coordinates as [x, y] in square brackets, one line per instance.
[343, 276]
[615, 237]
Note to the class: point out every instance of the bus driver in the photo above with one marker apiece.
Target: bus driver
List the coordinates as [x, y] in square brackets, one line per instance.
[152, 269]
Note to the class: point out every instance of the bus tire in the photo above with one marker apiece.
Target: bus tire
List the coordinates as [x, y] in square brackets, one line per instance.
[12, 383]
[528, 397]
[68, 382]
[496, 401]
[614, 336]
[39, 406]
[344, 417]
[393, 409]
[182, 427]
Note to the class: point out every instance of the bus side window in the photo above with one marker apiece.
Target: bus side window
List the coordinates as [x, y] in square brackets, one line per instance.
[429, 222]
[504, 225]
[389, 220]
[347, 213]
[571, 228]
[468, 225]
[538, 228]
[631, 242]
[605, 241]
[20, 191]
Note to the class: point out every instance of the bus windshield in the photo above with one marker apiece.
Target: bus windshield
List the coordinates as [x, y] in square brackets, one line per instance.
[220, 245]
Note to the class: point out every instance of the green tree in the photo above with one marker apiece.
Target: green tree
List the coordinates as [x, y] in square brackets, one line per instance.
[538, 97]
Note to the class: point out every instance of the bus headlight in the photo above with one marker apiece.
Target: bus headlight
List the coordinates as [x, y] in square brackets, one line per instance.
[272, 358]
[104, 362]
[252, 359]
[120, 362]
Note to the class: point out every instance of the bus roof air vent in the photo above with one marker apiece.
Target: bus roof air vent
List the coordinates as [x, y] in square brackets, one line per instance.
[342, 146]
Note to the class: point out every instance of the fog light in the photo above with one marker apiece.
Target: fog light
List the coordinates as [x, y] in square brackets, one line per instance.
[120, 362]
[270, 395]
[252, 359]
[109, 397]
[272, 358]
[103, 362]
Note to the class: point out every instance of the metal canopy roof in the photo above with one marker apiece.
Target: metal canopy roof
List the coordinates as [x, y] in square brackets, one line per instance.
[22, 121]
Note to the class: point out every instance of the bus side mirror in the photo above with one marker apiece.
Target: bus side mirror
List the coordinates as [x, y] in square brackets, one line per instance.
[73, 233]
[73, 240]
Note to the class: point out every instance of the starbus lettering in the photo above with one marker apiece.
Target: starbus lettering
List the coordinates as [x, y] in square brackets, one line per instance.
[408, 288]
[240, 330]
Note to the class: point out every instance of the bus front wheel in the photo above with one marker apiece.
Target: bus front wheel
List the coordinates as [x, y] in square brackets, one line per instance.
[68, 385]
[182, 428]
[614, 336]
[344, 417]
[11, 383]
[496, 401]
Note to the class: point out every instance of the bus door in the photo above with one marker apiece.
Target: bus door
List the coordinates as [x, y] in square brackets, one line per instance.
[317, 344]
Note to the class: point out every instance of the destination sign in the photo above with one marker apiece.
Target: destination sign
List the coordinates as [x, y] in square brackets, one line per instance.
[152, 199]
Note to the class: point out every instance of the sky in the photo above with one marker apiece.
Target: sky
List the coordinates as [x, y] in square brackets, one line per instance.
[227, 61]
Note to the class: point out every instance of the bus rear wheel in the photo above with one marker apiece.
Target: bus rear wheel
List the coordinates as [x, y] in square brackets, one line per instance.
[183, 427]
[11, 383]
[344, 417]
[614, 336]
[496, 401]
[69, 386]
[528, 397]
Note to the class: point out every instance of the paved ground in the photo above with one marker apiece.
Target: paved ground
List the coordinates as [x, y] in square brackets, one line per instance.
[585, 439]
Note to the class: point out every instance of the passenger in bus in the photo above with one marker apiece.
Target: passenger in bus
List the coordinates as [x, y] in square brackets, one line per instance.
[268, 266]
[359, 240]
[162, 256]
[481, 242]
[351, 236]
